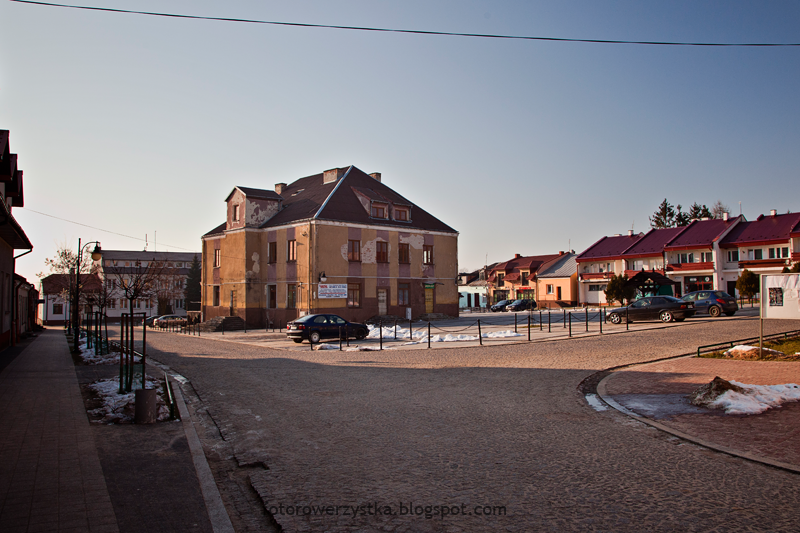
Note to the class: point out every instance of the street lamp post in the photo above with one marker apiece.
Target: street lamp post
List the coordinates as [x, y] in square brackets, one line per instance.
[76, 313]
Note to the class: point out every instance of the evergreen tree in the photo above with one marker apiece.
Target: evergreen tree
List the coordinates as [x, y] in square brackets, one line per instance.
[616, 291]
[682, 218]
[699, 211]
[747, 284]
[664, 217]
[193, 292]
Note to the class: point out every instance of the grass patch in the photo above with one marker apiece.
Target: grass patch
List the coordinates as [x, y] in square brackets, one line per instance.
[789, 348]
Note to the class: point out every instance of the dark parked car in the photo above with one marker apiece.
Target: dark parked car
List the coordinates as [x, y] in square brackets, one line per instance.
[712, 302]
[664, 308]
[500, 306]
[169, 320]
[149, 320]
[316, 327]
[520, 305]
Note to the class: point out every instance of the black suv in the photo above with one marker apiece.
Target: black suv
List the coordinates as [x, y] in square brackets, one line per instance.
[500, 306]
[521, 305]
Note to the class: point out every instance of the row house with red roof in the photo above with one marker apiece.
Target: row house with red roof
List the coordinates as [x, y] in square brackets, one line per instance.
[340, 241]
[519, 278]
[706, 254]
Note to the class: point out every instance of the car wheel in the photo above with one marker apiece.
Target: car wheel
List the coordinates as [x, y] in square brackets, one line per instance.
[731, 313]
[361, 334]
[665, 316]
[714, 311]
[314, 337]
[298, 341]
[614, 318]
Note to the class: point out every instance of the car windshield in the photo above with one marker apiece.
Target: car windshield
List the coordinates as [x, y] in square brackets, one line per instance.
[517, 301]
[670, 298]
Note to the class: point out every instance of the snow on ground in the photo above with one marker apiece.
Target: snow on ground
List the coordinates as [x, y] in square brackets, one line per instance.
[118, 407]
[756, 398]
[421, 335]
[89, 357]
[743, 350]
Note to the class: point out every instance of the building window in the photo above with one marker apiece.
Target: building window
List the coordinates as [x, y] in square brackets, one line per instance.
[596, 288]
[354, 250]
[403, 294]
[706, 257]
[216, 296]
[382, 251]
[686, 258]
[291, 296]
[758, 254]
[550, 289]
[112, 303]
[427, 254]
[291, 250]
[353, 295]
[500, 279]
[217, 257]
[272, 296]
[524, 280]
[733, 256]
[58, 309]
[378, 211]
[404, 252]
[236, 213]
[401, 214]
[272, 252]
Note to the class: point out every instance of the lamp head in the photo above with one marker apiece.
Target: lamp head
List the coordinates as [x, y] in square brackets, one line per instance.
[97, 253]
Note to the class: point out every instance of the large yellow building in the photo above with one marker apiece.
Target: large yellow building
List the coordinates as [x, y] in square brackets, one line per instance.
[339, 242]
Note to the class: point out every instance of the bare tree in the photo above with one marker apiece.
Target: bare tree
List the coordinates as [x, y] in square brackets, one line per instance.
[63, 265]
[137, 281]
[719, 208]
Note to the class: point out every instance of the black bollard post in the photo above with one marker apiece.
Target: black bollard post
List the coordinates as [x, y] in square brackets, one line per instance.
[480, 336]
[549, 321]
[429, 334]
[515, 323]
[570, 323]
[587, 319]
[564, 320]
[626, 319]
[541, 324]
[529, 327]
[410, 331]
[340, 338]
[600, 319]
[380, 334]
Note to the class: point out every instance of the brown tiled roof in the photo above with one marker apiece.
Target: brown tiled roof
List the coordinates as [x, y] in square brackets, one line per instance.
[763, 230]
[55, 283]
[653, 242]
[532, 263]
[309, 198]
[701, 234]
[608, 248]
[219, 230]
[256, 193]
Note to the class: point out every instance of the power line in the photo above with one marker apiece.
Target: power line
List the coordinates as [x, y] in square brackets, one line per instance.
[103, 230]
[395, 30]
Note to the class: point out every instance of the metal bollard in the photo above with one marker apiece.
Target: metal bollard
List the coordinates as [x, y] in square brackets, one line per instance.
[515, 323]
[340, 338]
[549, 322]
[564, 320]
[429, 334]
[541, 324]
[600, 319]
[570, 323]
[480, 337]
[380, 334]
[626, 320]
[529, 328]
[587, 320]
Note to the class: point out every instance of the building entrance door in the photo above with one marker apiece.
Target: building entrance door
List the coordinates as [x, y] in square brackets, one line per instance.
[382, 310]
[428, 300]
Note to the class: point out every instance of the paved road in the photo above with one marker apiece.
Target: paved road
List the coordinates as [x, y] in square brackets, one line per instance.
[500, 429]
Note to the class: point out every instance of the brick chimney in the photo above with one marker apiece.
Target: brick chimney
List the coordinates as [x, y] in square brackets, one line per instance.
[517, 256]
[773, 212]
[333, 175]
[630, 233]
[376, 176]
[280, 187]
[725, 216]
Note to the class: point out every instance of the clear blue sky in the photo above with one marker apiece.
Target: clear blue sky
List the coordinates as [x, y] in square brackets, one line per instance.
[139, 125]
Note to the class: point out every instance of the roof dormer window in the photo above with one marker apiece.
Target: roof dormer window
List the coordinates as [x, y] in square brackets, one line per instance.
[378, 210]
[236, 213]
[401, 214]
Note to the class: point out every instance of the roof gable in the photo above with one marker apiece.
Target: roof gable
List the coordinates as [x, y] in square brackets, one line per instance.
[773, 228]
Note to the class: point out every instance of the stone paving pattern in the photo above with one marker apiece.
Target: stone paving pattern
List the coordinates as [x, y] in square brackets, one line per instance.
[774, 434]
[498, 426]
[50, 474]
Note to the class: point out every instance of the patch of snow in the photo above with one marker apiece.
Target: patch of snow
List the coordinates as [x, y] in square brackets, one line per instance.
[756, 398]
[595, 402]
[749, 350]
[120, 407]
[421, 335]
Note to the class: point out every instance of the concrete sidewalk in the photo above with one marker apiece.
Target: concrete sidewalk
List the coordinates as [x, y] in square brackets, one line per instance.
[657, 392]
[50, 473]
